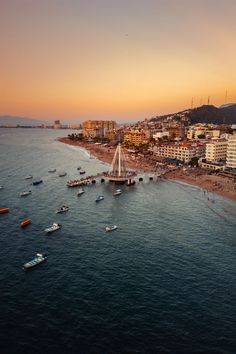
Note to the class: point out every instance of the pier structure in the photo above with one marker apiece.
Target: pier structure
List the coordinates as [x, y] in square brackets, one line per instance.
[118, 172]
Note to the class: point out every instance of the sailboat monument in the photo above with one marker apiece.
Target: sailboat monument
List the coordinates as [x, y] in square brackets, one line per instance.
[119, 173]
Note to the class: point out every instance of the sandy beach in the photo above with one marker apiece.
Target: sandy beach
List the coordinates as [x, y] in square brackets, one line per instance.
[220, 185]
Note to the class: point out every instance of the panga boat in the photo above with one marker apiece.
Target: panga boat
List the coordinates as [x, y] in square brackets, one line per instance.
[25, 222]
[25, 193]
[52, 171]
[62, 174]
[117, 192]
[35, 183]
[4, 210]
[110, 228]
[80, 192]
[82, 172]
[53, 228]
[40, 258]
[28, 177]
[62, 209]
[99, 198]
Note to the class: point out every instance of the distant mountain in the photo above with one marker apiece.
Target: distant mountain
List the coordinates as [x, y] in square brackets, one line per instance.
[11, 120]
[212, 114]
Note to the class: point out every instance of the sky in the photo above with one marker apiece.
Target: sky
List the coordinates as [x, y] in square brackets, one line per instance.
[115, 59]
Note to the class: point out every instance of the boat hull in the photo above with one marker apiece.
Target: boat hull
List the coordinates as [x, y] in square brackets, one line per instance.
[4, 210]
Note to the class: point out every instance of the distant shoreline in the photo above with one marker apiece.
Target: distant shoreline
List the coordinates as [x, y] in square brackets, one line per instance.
[219, 185]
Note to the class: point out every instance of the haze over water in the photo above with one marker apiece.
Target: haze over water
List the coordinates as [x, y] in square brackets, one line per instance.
[164, 282]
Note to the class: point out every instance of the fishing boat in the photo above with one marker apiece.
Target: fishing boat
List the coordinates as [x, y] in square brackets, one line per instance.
[80, 192]
[25, 222]
[4, 210]
[52, 171]
[29, 177]
[117, 192]
[99, 198]
[82, 172]
[53, 228]
[35, 183]
[40, 258]
[62, 209]
[62, 174]
[110, 228]
[25, 193]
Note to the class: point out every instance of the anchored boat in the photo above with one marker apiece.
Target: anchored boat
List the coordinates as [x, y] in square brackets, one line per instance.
[80, 192]
[63, 209]
[35, 183]
[40, 258]
[25, 222]
[25, 193]
[99, 198]
[4, 210]
[117, 192]
[110, 228]
[53, 228]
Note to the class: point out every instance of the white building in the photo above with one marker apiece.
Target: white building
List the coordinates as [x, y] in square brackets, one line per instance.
[159, 135]
[216, 150]
[231, 151]
[181, 151]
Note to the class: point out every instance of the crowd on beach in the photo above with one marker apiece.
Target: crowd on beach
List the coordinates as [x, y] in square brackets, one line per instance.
[215, 183]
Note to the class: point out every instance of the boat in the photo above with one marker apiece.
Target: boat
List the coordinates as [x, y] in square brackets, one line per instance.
[99, 198]
[29, 177]
[117, 192]
[52, 171]
[1, 187]
[25, 222]
[80, 192]
[110, 228]
[62, 209]
[25, 193]
[35, 183]
[53, 228]
[82, 172]
[79, 168]
[62, 174]
[4, 210]
[40, 258]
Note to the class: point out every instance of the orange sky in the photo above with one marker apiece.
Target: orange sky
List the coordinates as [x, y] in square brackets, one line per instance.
[115, 59]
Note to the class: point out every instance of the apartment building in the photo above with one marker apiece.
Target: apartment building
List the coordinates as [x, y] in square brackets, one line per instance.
[181, 151]
[216, 150]
[231, 151]
[135, 137]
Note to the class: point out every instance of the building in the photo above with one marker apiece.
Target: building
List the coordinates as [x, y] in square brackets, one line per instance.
[231, 151]
[97, 128]
[216, 150]
[180, 151]
[135, 137]
[57, 124]
[160, 135]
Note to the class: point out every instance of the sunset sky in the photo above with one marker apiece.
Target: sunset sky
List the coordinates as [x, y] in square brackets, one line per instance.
[115, 59]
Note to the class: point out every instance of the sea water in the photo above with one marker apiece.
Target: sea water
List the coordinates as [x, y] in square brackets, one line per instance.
[163, 282]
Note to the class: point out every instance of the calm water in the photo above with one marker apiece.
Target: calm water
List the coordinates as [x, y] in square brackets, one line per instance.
[164, 282]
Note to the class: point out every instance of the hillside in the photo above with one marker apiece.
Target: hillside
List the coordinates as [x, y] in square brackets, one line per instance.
[24, 121]
[212, 114]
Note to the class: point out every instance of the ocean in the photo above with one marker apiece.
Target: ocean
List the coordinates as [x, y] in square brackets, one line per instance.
[163, 282]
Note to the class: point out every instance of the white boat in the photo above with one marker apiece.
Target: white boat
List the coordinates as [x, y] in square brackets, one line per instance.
[117, 192]
[40, 258]
[1, 187]
[99, 198]
[62, 174]
[52, 171]
[62, 209]
[53, 228]
[110, 228]
[29, 177]
[80, 192]
[25, 193]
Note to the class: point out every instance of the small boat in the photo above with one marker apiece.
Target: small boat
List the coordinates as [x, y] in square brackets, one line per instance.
[35, 183]
[53, 228]
[29, 177]
[82, 172]
[1, 187]
[4, 210]
[62, 174]
[25, 222]
[99, 198]
[40, 258]
[110, 228]
[117, 192]
[25, 193]
[52, 171]
[63, 209]
[79, 168]
[80, 192]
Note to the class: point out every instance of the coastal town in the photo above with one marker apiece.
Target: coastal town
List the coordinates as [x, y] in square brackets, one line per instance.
[202, 154]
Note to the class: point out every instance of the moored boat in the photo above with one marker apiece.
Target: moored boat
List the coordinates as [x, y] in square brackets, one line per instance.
[117, 192]
[25, 222]
[4, 210]
[62, 174]
[53, 228]
[82, 172]
[110, 228]
[62, 209]
[1, 187]
[52, 171]
[40, 258]
[35, 183]
[29, 177]
[80, 192]
[25, 193]
[99, 198]
[79, 168]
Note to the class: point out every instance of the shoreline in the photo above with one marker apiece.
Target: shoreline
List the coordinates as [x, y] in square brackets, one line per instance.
[222, 186]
